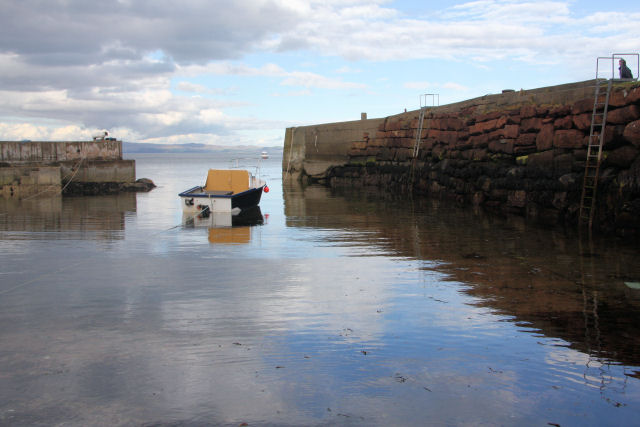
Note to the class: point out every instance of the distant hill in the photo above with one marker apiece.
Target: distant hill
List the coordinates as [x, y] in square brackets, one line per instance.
[138, 147]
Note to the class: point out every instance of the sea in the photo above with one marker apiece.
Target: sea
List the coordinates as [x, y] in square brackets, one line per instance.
[323, 307]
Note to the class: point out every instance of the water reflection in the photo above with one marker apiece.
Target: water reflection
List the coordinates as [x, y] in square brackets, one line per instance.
[553, 282]
[224, 227]
[99, 217]
[342, 308]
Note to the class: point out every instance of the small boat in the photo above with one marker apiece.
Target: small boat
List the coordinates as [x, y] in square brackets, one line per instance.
[226, 190]
[264, 155]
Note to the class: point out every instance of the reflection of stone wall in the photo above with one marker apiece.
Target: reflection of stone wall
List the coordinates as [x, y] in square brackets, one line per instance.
[101, 217]
[546, 280]
[520, 152]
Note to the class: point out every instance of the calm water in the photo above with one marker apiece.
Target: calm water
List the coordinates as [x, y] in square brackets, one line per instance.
[333, 308]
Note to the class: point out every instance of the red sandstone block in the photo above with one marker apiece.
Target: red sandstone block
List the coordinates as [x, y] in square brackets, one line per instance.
[582, 106]
[463, 144]
[448, 137]
[533, 124]
[406, 142]
[487, 126]
[633, 96]
[502, 146]
[453, 123]
[479, 140]
[544, 140]
[632, 133]
[378, 142]
[623, 115]
[568, 138]
[501, 122]
[495, 135]
[514, 119]
[393, 124]
[542, 111]
[405, 133]
[560, 111]
[511, 131]
[565, 122]
[582, 121]
[382, 125]
[527, 111]
[526, 139]
[618, 98]
[358, 145]
[475, 129]
[494, 115]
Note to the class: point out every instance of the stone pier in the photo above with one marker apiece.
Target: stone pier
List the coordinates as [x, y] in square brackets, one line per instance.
[520, 152]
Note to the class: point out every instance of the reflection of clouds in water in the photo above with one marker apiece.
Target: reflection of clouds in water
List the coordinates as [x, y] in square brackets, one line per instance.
[245, 330]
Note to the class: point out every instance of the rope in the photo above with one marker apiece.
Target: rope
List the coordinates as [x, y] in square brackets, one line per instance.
[293, 132]
[77, 169]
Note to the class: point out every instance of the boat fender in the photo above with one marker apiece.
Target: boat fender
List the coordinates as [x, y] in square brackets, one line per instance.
[188, 202]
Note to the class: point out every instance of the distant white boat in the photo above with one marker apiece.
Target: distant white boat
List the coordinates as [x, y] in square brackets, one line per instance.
[264, 155]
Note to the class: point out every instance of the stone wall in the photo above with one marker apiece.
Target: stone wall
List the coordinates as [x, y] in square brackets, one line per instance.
[26, 181]
[15, 152]
[313, 150]
[77, 167]
[519, 152]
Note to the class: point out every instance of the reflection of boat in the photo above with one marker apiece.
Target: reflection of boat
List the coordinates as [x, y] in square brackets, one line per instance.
[264, 155]
[226, 190]
[225, 227]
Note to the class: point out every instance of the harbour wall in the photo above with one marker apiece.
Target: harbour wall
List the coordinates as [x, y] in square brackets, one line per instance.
[520, 152]
[28, 168]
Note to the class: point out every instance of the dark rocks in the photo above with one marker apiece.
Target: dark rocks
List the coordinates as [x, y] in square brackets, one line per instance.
[105, 188]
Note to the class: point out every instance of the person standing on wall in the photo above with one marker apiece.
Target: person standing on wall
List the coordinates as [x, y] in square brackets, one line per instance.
[625, 72]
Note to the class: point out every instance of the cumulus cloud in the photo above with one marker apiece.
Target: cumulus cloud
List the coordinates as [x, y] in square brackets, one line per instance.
[129, 64]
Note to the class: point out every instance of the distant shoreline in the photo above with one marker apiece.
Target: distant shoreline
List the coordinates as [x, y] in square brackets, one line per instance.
[137, 147]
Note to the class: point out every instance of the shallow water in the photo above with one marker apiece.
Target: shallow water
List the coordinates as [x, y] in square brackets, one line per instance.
[334, 307]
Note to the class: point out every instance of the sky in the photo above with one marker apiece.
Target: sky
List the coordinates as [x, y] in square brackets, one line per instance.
[239, 72]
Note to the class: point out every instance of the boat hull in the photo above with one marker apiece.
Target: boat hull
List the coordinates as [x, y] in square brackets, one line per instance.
[195, 200]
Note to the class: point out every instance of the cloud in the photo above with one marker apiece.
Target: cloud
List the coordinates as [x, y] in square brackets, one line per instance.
[71, 65]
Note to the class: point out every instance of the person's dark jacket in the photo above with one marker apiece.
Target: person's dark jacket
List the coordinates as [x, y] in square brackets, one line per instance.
[625, 72]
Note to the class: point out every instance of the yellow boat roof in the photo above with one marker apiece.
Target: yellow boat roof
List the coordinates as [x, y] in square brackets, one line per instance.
[235, 180]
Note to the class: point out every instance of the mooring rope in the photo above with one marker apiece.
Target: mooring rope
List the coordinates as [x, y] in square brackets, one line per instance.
[77, 169]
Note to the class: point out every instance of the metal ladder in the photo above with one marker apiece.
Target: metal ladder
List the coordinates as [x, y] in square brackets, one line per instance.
[594, 150]
[416, 146]
[423, 111]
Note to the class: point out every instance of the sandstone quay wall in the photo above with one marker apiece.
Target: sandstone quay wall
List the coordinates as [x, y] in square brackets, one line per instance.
[520, 152]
